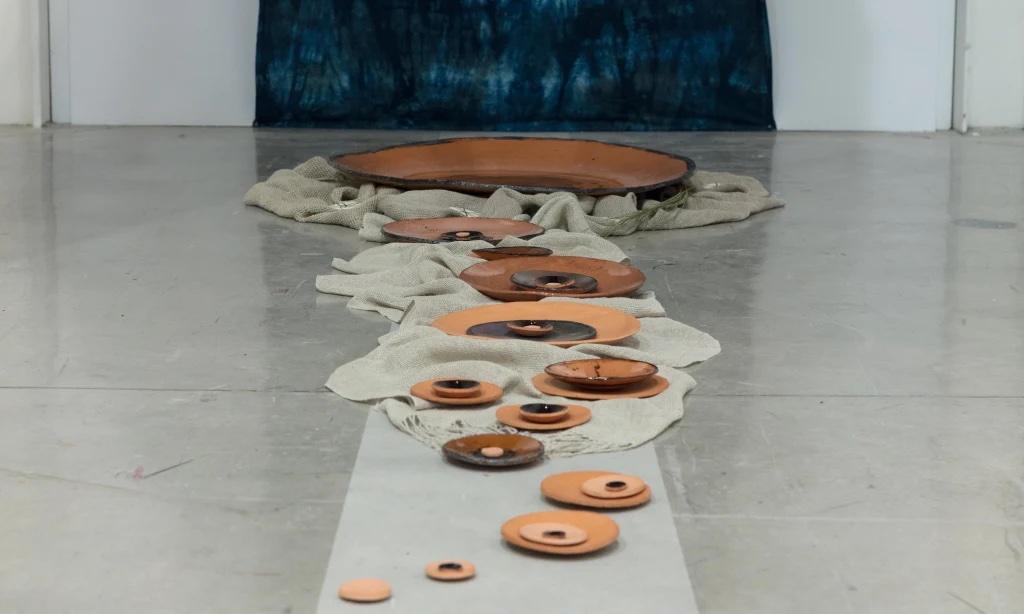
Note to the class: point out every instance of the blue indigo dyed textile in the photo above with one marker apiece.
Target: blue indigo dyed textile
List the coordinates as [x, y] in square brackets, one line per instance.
[515, 64]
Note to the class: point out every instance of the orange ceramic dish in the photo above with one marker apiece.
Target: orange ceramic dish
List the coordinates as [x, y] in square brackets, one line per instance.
[650, 387]
[601, 531]
[610, 325]
[601, 372]
[494, 278]
[568, 488]
[510, 415]
[525, 164]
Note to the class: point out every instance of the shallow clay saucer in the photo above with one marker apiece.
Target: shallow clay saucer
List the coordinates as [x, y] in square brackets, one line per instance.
[650, 387]
[601, 372]
[610, 325]
[450, 570]
[525, 164]
[568, 488]
[509, 415]
[428, 391]
[494, 278]
[446, 229]
[494, 450]
[501, 253]
[601, 531]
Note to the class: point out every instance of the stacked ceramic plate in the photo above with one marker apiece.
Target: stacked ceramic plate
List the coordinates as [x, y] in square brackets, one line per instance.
[533, 278]
[596, 379]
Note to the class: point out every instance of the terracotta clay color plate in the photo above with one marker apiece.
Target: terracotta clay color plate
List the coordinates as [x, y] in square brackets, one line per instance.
[494, 278]
[445, 229]
[601, 372]
[567, 488]
[525, 164]
[650, 387]
[500, 253]
[365, 590]
[519, 450]
[601, 530]
[611, 325]
[424, 390]
[509, 416]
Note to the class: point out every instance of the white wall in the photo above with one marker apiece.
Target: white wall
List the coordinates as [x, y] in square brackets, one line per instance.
[177, 62]
[994, 77]
[19, 57]
[862, 64]
[838, 64]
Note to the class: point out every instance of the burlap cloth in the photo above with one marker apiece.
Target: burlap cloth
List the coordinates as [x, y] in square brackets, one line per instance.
[414, 283]
[315, 191]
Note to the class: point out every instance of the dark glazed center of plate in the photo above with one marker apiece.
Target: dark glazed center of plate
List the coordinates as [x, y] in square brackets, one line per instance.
[450, 567]
[615, 485]
[554, 281]
[542, 408]
[457, 384]
[561, 330]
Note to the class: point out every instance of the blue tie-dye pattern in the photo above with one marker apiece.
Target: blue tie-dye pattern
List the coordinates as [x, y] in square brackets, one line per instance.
[515, 64]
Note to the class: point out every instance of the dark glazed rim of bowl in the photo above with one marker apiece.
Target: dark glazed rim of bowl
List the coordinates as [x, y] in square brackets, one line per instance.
[474, 186]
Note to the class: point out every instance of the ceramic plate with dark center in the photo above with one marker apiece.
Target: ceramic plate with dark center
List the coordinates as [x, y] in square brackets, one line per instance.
[447, 229]
[525, 164]
[610, 325]
[495, 278]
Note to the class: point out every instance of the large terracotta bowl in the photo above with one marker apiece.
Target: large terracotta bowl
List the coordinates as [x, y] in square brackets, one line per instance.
[525, 164]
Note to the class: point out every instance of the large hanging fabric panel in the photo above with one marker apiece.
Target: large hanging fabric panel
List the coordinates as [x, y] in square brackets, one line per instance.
[515, 64]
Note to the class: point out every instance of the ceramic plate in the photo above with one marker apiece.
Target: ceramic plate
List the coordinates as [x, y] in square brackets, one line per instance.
[567, 488]
[650, 387]
[601, 530]
[495, 278]
[519, 450]
[525, 164]
[446, 229]
[601, 372]
[611, 324]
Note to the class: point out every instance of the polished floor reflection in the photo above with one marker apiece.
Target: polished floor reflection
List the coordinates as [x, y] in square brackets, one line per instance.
[167, 444]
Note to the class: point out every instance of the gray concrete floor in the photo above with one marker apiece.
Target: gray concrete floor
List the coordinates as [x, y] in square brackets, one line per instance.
[858, 446]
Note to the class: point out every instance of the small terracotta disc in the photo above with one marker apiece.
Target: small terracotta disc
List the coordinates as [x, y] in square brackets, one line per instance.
[613, 486]
[365, 590]
[509, 416]
[451, 570]
[553, 534]
[601, 531]
[488, 393]
[568, 488]
[650, 387]
[492, 452]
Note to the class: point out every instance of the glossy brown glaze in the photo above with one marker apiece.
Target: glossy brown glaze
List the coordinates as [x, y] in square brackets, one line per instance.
[526, 164]
[568, 488]
[610, 325]
[365, 590]
[601, 372]
[650, 387]
[500, 253]
[601, 531]
[509, 416]
[446, 229]
[494, 278]
[518, 450]
[450, 570]
[488, 393]
[556, 282]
